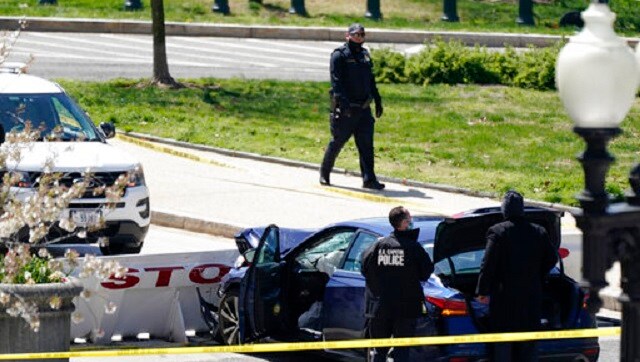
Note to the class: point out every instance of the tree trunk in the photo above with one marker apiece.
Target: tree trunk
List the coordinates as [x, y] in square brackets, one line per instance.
[161, 74]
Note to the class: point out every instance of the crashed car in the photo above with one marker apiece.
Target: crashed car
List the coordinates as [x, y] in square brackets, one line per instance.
[306, 285]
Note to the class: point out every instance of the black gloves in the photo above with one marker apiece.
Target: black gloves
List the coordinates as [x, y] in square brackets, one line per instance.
[379, 109]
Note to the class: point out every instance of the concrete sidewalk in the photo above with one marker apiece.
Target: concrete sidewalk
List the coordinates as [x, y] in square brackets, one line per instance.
[202, 189]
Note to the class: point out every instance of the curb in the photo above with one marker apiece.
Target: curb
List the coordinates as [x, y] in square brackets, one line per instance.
[376, 35]
[313, 166]
[194, 224]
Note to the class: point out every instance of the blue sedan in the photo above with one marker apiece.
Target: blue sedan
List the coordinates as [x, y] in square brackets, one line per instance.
[305, 285]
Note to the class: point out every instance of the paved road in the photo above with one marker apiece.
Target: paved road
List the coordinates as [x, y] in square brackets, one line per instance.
[107, 56]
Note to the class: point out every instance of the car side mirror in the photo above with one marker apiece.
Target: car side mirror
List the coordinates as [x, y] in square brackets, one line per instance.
[249, 255]
[108, 128]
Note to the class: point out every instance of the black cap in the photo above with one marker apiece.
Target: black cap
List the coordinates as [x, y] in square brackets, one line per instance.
[355, 27]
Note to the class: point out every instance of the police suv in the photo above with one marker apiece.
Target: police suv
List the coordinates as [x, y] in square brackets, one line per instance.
[79, 146]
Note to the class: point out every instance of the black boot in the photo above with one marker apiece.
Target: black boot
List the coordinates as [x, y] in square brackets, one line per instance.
[374, 185]
[324, 179]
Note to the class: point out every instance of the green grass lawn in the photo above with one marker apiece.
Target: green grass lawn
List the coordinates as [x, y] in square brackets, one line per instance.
[484, 138]
[475, 15]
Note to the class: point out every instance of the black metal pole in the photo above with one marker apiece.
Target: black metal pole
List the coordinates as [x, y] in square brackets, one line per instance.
[221, 6]
[297, 7]
[525, 12]
[593, 220]
[373, 10]
[450, 11]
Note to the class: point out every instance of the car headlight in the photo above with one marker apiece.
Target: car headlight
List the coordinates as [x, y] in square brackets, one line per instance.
[136, 177]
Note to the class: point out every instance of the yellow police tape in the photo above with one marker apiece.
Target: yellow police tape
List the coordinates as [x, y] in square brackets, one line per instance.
[305, 346]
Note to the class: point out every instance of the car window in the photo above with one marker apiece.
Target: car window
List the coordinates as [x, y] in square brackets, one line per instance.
[464, 263]
[360, 244]
[269, 251]
[55, 114]
[335, 243]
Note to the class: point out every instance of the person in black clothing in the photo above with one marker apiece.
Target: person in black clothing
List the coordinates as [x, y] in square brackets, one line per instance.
[353, 88]
[393, 268]
[518, 256]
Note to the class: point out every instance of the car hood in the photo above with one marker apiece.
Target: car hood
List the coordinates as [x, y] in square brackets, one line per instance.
[289, 238]
[468, 233]
[74, 156]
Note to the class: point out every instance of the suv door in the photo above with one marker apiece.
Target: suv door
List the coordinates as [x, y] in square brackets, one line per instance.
[260, 290]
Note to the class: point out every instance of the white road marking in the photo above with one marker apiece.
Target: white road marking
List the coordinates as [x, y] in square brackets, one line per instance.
[228, 60]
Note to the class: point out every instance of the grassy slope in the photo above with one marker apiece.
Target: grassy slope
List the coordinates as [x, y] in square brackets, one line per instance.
[482, 138]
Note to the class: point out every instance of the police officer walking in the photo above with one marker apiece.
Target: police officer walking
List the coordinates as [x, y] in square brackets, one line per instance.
[517, 257]
[393, 268]
[353, 88]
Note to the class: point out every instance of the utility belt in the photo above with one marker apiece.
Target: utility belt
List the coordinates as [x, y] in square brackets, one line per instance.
[335, 104]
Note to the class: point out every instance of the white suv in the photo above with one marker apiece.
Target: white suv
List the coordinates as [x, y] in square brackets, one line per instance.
[81, 146]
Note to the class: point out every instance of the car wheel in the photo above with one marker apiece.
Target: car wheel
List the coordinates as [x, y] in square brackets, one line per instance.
[230, 318]
[134, 249]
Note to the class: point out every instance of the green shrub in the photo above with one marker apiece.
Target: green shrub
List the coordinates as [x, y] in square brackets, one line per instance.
[537, 68]
[453, 63]
[388, 66]
[627, 15]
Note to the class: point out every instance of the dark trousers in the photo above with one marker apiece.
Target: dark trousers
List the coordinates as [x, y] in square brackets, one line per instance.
[386, 328]
[515, 352]
[360, 125]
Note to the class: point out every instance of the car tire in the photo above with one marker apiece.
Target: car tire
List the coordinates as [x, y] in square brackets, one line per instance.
[120, 249]
[230, 318]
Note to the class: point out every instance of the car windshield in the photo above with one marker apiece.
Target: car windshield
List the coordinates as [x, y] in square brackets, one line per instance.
[55, 114]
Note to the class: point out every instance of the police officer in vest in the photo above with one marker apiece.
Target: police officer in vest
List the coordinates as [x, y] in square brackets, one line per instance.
[393, 268]
[353, 88]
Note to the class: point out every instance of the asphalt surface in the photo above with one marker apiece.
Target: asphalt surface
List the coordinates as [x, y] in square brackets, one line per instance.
[96, 57]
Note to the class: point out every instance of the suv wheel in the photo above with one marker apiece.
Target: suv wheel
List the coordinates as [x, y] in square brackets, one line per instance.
[120, 249]
[229, 318]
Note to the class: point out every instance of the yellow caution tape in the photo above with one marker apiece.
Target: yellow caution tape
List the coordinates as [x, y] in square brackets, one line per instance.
[169, 150]
[355, 344]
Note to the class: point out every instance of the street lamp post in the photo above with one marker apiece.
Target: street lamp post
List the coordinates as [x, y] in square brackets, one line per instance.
[597, 76]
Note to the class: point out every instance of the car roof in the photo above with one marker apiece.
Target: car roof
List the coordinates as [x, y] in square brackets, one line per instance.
[381, 226]
[20, 83]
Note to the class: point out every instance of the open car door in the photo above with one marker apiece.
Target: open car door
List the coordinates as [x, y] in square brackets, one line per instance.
[260, 290]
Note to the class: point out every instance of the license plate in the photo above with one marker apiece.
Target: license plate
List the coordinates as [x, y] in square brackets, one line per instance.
[84, 218]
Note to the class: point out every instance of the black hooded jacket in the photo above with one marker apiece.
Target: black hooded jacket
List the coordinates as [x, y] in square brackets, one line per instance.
[393, 268]
[517, 257]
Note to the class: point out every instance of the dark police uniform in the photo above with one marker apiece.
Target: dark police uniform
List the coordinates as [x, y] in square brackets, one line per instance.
[393, 268]
[353, 88]
[518, 256]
